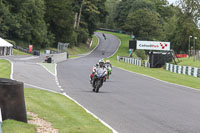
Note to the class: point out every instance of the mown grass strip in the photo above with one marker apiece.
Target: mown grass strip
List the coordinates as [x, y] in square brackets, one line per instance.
[159, 73]
[17, 52]
[4, 69]
[189, 62]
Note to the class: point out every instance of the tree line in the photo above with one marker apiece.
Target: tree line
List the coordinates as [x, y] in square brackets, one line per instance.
[44, 23]
[157, 20]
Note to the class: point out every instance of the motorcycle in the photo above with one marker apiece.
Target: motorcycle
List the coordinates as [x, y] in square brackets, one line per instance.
[98, 78]
[109, 70]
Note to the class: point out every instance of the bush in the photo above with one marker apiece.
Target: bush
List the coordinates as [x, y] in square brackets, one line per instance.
[10, 41]
[141, 54]
[82, 35]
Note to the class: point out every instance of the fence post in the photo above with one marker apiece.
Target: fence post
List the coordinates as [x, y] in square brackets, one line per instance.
[175, 68]
[190, 70]
[179, 69]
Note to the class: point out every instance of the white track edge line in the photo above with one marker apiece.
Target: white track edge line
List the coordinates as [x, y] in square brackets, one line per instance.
[159, 79]
[46, 68]
[104, 123]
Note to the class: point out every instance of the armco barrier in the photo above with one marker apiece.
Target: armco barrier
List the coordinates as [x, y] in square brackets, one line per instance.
[134, 61]
[188, 70]
[59, 57]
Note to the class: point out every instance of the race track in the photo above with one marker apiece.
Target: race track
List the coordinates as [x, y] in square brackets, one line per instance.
[129, 102]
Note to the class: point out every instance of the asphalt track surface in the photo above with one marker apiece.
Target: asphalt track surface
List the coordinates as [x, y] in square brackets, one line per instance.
[128, 102]
[33, 75]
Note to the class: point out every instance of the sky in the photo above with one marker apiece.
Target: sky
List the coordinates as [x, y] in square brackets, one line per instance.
[171, 1]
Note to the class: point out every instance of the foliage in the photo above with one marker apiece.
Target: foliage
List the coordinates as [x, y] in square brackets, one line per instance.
[159, 21]
[141, 54]
[44, 23]
[144, 24]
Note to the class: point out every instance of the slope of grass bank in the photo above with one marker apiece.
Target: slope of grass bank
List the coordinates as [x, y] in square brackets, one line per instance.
[63, 113]
[189, 62]
[159, 73]
[17, 52]
[84, 48]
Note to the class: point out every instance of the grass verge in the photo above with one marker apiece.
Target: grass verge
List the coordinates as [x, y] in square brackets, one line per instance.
[159, 73]
[4, 69]
[17, 52]
[189, 62]
[84, 48]
[63, 113]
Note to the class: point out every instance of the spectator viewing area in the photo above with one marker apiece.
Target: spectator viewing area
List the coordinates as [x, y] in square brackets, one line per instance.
[5, 47]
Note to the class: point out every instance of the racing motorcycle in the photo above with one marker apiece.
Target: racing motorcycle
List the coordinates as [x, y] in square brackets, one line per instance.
[109, 70]
[98, 78]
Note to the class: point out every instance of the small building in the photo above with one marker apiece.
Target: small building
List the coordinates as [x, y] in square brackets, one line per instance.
[5, 47]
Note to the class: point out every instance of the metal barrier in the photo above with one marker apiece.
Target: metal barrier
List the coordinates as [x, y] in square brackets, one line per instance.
[134, 61]
[187, 70]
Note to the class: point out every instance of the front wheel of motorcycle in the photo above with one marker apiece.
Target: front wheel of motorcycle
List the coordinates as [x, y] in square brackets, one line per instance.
[97, 90]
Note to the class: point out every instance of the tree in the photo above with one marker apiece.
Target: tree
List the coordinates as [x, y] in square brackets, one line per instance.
[144, 24]
[59, 17]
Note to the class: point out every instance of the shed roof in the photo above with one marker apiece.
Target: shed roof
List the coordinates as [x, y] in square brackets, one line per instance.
[4, 43]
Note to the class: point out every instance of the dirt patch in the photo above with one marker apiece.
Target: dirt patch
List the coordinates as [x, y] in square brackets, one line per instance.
[42, 125]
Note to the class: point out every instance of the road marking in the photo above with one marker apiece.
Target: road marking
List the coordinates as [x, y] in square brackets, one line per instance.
[46, 68]
[159, 79]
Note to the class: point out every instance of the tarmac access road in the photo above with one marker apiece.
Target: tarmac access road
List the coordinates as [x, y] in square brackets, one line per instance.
[128, 102]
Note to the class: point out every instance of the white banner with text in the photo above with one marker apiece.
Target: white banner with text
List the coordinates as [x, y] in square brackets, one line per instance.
[153, 45]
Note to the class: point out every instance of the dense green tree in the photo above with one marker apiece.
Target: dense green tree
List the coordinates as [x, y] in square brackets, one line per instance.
[60, 18]
[144, 24]
[111, 8]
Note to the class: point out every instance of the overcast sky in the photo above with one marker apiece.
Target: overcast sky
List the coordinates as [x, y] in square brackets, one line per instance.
[171, 1]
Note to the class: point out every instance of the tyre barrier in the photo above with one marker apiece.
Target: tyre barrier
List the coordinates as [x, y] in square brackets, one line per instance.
[134, 61]
[187, 70]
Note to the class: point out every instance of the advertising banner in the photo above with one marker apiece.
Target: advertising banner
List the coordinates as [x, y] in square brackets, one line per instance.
[153, 45]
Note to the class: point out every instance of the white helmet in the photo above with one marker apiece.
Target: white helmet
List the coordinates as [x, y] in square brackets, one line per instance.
[107, 61]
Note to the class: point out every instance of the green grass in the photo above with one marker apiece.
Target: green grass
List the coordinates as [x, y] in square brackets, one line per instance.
[17, 52]
[4, 69]
[12, 126]
[189, 62]
[159, 73]
[63, 113]
[84, 48]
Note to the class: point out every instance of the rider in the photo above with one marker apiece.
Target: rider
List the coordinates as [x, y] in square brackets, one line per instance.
[100, 64]
[108, 63]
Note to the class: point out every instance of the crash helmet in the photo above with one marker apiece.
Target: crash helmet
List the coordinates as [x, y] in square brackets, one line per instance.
[108, 61]
[101, 63]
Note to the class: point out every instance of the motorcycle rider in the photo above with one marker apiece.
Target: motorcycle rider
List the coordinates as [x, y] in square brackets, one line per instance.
[108, 67]
[93, 71]
[108, 63]
[100, 65]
